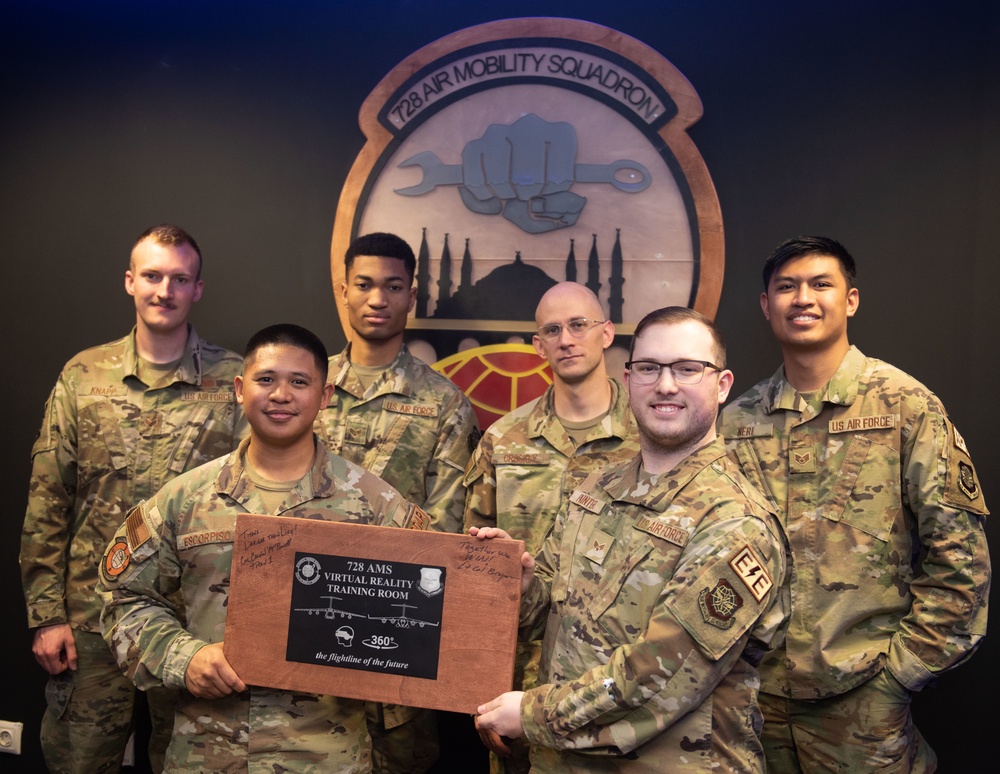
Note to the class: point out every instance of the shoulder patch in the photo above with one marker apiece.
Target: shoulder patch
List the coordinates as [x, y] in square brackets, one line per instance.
[419, 518]
[719, 605]
[474, 435]
[660, 529]
[961, 488]
[117, 559]
[750, 570]
[136, 529]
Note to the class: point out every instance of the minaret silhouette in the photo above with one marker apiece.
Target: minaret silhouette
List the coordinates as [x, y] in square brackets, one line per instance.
[444, 279]
[466, 268]
[594, 269]
[616, 301]
[571, 263]
[423, 275]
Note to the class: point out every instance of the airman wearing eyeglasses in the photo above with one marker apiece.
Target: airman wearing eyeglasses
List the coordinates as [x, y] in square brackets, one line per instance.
[529, 462]
[658, 589]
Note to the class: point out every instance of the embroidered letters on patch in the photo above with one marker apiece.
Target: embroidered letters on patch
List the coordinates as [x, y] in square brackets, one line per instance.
[586, 501]
[668, 532]
[853, 424]
[749, 569]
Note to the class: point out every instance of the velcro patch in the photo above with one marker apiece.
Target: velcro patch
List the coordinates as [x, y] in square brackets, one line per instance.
[414, 409]
[586, 501]
[801, 460]
[598, 547]
[117, 559]
[959, 440]
[719, 605]
[136, 529]
[210, 397]
[521, 459]
[192, 539]
[660, 529]
[855, 424]
[755, 431]
[967, 480]
[750, 570]
[419, 519]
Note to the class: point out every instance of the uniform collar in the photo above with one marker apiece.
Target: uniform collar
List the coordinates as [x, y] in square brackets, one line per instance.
[188, 371]
[543, 423]
[841, 390]
[233, 481]
[395, 379]
[633, 485]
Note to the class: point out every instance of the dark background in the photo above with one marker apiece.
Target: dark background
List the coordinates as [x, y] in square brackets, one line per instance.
[877, 123]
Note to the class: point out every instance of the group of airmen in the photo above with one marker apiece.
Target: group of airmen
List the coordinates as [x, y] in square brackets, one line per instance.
[757, 589]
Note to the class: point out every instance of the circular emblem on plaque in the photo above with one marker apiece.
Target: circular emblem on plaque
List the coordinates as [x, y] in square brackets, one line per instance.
[307, 570]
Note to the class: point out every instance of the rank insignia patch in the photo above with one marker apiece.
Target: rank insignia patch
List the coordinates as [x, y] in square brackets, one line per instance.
[117, 559]
[600, 542]
[719, 605]
[967, 480]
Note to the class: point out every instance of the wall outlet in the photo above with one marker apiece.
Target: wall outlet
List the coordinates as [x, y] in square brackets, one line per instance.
[10, 737]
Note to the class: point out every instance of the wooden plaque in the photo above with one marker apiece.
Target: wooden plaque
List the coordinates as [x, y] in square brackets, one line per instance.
[423, 619]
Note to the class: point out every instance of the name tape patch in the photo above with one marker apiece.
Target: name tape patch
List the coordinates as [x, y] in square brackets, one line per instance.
[874, 422]
[521, 459]
[410, 408]
[586, 501]
[193, 539]
[668, 532]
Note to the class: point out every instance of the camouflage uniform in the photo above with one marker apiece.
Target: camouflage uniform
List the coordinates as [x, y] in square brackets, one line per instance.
[662, 592]
[519, 479]
[108, 441]
[415, 429]
[884, 515]
[182, 540]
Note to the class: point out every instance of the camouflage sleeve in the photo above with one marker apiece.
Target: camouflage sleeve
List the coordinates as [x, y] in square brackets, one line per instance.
[139, 573]
[481, 486]
[47, 521]
[445, 485]
[947, 617]
[697, 631]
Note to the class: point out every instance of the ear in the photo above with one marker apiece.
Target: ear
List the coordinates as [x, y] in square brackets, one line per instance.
[853, 301]
[725, 385]
[537, 344]
[129, 282]
[238, 387]
[327, 394]
[199, 286]
[342, 292]
[413, 299]
[608, 334]
[764, 307]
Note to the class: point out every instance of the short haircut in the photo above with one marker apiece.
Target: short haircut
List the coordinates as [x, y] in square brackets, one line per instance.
[810, 245]
[381, 245]
[169, 234]
[292, 335]
[673, 315]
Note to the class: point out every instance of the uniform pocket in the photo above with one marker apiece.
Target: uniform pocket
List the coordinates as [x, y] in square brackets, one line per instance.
[866, 494]
[58, 692]
[101, 448]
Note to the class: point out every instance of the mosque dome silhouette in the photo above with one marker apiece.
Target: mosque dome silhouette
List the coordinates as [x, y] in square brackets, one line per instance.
[509, 292]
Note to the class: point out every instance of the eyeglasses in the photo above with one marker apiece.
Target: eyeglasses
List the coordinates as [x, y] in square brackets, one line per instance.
[683, 371]
[576, 327]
